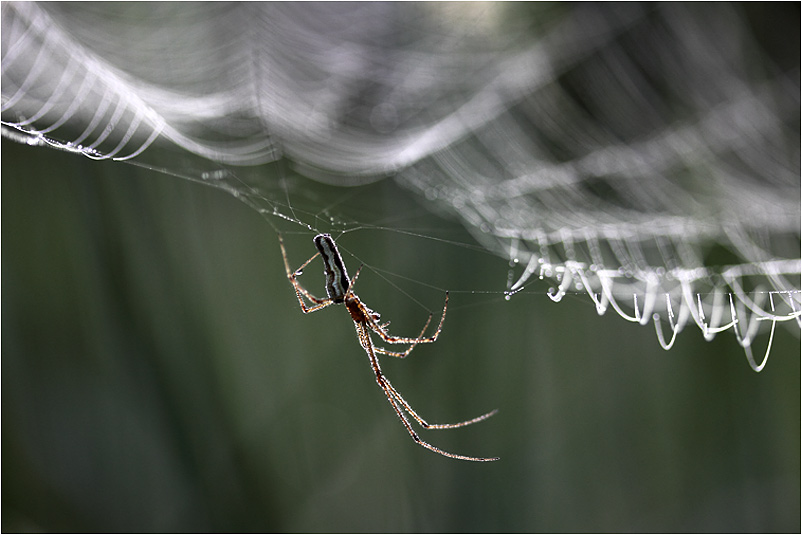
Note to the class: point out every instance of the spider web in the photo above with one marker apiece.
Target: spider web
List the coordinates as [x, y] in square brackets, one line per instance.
[645, 156]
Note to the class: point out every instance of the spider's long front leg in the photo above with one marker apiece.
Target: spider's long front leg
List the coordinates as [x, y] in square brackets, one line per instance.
[426, 425]
[395, 398]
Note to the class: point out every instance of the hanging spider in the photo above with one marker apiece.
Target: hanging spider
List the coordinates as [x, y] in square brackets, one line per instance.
[340, 290]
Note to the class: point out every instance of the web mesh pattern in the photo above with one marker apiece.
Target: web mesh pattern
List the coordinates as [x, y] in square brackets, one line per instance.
[647, 156]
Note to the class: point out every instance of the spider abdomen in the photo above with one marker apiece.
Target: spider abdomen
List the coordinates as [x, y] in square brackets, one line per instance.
[337, 281]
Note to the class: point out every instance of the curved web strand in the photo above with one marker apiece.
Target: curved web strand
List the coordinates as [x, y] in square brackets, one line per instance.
[644, 155]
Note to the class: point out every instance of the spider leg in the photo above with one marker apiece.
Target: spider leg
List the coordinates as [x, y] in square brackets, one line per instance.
[379, 328]
[398, 354]
[292, 274]
[423, 423]
[319, 304]
[395, 398]
[300, 290]
[353, 280]
[376, 327]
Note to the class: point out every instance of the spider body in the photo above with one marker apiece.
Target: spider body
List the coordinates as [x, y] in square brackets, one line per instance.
[339, 288]
[337, 281]
[360, 313]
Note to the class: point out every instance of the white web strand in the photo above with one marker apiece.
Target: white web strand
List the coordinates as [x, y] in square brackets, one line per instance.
[611, 149]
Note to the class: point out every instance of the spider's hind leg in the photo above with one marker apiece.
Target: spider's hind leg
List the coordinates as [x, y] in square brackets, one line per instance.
[300, 291]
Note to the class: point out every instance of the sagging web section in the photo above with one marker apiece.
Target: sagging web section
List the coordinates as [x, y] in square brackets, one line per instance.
[646, 157]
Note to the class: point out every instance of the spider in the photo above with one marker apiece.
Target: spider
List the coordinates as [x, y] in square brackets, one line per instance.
[340, 290]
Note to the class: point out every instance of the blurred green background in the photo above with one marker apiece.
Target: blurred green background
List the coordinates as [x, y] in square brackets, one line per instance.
[158, 375]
